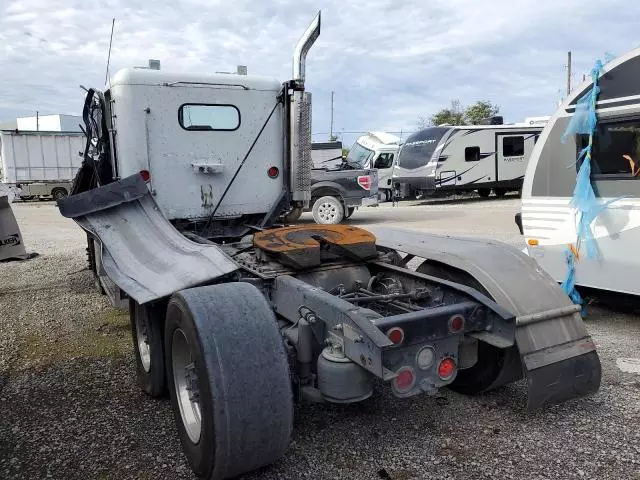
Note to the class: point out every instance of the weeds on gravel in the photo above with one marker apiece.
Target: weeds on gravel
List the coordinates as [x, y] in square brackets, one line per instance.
[106, 336]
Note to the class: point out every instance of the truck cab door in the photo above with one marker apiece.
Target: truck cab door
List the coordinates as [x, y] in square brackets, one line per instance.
[384, 164]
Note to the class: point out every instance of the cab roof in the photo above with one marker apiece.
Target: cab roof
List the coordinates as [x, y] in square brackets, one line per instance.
[146, 76]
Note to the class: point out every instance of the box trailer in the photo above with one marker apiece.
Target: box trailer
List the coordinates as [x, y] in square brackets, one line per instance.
[40, 164]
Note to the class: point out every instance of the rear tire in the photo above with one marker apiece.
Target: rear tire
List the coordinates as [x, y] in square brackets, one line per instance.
[223, 342]
[328, 210]
[147, 328]
[59, 193]
[484, 192]
[93, 263]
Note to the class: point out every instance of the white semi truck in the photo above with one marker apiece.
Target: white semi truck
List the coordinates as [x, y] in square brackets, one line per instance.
[39, 164]
[377, 150]
[182, 185]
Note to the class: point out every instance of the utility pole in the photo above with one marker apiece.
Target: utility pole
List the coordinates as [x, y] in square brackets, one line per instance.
[568, 73]
[331, 129]
[37, 121]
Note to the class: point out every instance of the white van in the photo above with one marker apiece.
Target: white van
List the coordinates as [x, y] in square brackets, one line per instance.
[377, 150]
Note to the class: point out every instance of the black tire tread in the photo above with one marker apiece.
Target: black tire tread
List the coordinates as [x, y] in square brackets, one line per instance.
[153, 383]
[241, 355]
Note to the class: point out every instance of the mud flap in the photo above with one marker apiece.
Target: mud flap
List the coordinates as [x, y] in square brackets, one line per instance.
[556, 373]
[571, 378]
[11, 244]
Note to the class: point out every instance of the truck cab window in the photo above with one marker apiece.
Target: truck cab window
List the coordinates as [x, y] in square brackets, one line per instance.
[472, 154]
[513, 146]
[384, 160]
[192, 116]
[616, 149]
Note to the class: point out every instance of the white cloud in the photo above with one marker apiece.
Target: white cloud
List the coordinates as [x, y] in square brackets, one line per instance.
[388, 62]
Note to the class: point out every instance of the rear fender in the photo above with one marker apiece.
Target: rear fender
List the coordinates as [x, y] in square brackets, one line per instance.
[554, 348]
[332, 189]
[142, 252]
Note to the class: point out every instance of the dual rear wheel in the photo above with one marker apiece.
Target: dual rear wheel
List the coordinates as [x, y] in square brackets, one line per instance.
[226, 373]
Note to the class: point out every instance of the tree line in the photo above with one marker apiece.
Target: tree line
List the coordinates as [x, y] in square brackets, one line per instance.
[459, 115]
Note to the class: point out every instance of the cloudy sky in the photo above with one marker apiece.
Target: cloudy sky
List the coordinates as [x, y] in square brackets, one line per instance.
[389, 62]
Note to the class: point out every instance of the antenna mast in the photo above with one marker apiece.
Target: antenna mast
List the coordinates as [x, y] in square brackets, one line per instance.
[106, 75]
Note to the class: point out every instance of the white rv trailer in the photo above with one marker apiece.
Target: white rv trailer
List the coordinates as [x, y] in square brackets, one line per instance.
[547, 219]
[377, 150]
[465, 158]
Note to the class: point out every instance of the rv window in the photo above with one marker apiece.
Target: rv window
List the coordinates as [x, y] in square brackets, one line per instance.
[513, 146]
[384, 160]
[615, 150]
[472, 154]
[195, 116]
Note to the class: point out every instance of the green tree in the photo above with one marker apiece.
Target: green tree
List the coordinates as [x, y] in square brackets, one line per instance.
[456, 115]
[447, 116]
[480, 110]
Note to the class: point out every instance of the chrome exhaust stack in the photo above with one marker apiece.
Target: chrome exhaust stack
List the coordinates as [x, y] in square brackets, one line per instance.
[302, 48]
[299, 120]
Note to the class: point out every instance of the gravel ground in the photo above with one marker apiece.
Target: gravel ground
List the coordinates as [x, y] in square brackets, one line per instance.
[70, 409]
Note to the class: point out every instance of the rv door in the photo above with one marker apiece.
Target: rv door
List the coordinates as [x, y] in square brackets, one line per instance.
[514, 150]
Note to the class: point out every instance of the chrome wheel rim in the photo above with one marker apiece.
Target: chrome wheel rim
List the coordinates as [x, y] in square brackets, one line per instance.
[327, 211]
[185, 381]
[142, 335]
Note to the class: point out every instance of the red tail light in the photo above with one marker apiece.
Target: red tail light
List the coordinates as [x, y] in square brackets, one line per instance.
[405, 380]
[146, 176]
[273, 172]
[396, 335]
[365, 182]
[447, 368]
[456, 323]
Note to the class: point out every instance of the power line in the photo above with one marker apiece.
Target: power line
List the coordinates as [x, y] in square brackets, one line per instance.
[364, 131]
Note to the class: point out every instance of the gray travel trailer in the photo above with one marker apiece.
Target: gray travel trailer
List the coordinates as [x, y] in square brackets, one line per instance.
[549, 221]
[466, 158]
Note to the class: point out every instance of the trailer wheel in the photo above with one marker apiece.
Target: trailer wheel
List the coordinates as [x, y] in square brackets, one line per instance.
[491, 359]
[484, 192]
[59, 193]
[228, 379]
[147, 322]
[328, 210]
